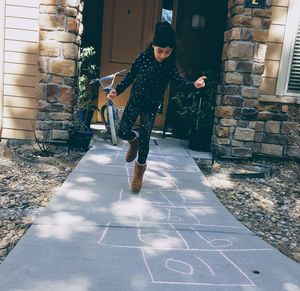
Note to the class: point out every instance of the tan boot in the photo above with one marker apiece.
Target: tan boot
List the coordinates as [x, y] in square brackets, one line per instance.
[132, 151]
[137, 181]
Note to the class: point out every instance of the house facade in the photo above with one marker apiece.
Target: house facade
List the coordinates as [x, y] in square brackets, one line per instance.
[259, 87]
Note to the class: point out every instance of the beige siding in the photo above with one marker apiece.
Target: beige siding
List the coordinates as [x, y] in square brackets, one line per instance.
[18, 113]
[274, 50]
[11, 68]
[283, 3]
[19, 80]
[20, 67]
[275, 40]
[22, 102]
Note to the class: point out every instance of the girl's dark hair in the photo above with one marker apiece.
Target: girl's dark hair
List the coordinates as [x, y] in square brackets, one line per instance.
[164, 35]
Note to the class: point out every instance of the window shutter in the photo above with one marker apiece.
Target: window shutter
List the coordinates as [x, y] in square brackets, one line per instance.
[294, 80]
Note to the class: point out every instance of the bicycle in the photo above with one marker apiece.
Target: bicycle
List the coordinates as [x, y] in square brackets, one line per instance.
[109, 112]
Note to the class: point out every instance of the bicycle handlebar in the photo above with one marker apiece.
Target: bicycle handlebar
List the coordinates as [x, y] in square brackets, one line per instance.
[106, 78]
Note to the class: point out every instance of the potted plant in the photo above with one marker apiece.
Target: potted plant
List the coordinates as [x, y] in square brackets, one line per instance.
[194, 113]
[85, 101]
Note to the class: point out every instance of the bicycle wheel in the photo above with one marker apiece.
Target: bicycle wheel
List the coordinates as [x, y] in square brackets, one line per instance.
[113, 130]
[104, 117]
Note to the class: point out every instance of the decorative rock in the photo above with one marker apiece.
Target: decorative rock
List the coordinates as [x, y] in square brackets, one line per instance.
[258, 69]
[293, 151]
[62, 67]
[230, 66]
[51, 22]
[43, 105]
[222, 131]
[267, 115]
[230, 90]
[66, 95]
[224, 111]
[260, 53]
[48, 48]
[233, 100]
[228, 122]
[244, 134]
[70, 51]
[52, 93]
[250, 92]
[274, 138]
[60, 116]
[272, 126]
[256, 80]
[60, 135]
[260, 35]
[240, 50]
[241, 20]
[242, 152]
[57, 107]
[67, 37]
[271, 149]
[245, 67]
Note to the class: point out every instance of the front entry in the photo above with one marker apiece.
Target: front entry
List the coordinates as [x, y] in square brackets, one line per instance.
[127, 30]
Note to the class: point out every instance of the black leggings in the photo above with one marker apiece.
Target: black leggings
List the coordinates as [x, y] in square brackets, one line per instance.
[129, 117]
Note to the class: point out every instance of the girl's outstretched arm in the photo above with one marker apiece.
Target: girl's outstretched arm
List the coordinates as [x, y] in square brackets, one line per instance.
[183, 85]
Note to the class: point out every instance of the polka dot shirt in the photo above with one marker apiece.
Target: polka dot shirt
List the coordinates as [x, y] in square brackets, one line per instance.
[150, 80]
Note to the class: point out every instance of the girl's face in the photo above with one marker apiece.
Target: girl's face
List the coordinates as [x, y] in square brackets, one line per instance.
[161, 53]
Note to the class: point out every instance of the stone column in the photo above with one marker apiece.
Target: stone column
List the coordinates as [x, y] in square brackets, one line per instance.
[60, 25]
[243, 65]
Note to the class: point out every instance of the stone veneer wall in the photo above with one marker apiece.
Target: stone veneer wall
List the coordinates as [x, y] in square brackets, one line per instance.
[237, 124]
[277, 132]
[60, 37]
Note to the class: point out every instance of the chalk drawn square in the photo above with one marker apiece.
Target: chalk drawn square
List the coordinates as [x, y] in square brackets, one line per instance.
[193, 268]
[155, 198]
[169, 215]
[135, 237]
[190, 197]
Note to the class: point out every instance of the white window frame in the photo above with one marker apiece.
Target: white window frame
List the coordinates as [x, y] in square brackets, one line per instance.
[287, 49]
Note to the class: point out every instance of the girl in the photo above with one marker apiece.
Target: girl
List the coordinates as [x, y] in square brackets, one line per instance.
[150, 74]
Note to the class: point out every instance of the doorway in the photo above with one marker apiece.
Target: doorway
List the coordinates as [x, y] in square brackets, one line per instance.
[200, 27]
[120, 29]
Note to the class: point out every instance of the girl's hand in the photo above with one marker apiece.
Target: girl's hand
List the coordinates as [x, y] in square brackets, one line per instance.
[112, 94]
[200, 83]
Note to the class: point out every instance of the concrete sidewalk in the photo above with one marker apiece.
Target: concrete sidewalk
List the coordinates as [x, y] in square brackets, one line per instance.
[174, 235]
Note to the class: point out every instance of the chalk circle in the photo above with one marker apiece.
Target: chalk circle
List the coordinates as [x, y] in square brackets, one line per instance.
[163, 216]
[179, 267]
[154, 238]
[220, 243]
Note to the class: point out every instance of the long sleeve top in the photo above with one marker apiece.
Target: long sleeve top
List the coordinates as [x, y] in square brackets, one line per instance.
[150, 80]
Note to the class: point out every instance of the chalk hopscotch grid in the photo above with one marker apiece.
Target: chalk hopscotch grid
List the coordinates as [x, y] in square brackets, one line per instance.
[168, 205]
[186, 247]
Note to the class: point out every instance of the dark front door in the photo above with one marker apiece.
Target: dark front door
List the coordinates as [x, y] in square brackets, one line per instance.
[200, 26]
[127, 30]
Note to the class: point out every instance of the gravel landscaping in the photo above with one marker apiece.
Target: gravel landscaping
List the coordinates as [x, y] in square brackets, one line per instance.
[269, 205]
[27, 183]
